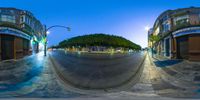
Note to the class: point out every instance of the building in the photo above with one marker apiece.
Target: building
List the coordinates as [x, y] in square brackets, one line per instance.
[20, 33]
[179, 34]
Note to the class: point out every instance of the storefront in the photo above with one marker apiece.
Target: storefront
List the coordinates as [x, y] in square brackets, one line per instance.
[7, 47]
[182, 47]
[167, 45]
[187, 43]
[13, 43]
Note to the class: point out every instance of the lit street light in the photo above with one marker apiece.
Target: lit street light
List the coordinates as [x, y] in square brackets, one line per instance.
[46, 32]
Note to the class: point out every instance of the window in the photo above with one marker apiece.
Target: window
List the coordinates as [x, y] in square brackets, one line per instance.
[165, 18]
[166, 26]
[8, 18]
[22, 19]
[27, 20]
[157, 31]
[181, 20]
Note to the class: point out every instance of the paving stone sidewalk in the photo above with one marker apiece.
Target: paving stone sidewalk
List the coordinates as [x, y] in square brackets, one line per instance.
[31, 77]
[181, 69]
[182, 73]
[153, 83]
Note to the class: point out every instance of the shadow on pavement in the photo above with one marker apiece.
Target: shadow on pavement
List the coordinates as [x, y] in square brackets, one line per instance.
[165, 63]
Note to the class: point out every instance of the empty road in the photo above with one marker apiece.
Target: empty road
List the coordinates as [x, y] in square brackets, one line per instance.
[97, 71]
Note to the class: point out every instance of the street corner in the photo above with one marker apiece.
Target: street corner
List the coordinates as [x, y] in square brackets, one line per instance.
[103, 49]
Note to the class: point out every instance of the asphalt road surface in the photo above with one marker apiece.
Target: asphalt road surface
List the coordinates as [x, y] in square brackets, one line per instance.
[97, 71]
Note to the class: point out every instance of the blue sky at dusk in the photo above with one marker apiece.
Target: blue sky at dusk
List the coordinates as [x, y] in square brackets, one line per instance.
[126, 18]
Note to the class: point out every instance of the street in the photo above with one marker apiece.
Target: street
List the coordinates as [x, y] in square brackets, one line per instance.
[97, 71]
[35, 76]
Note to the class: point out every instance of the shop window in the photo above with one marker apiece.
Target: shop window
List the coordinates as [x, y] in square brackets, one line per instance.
[166, 26]
[8, 18]
[181, 20]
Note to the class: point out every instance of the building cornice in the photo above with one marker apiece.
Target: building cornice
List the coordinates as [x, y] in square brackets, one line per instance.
[14, 32]
[186, 31]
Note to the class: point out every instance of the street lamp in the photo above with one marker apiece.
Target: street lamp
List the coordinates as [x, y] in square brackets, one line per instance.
[46, 31]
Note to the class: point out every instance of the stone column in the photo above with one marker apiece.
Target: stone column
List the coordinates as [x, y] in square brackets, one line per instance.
[173, 48]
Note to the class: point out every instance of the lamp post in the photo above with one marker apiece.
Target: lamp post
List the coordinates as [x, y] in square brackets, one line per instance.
[45, 34]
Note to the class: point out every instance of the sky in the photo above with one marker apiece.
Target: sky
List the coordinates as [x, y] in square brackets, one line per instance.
[126, 18]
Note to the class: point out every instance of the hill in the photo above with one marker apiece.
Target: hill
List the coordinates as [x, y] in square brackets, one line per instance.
[99, 40]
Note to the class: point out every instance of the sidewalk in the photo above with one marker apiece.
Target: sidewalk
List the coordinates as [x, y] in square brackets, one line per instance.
[156, 84]
[180, 69]
[21, 70]
[17, 76]
[30, 77]
[180, 73]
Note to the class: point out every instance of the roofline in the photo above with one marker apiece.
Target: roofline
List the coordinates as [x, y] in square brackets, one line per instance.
[168, 11]
[12, 8]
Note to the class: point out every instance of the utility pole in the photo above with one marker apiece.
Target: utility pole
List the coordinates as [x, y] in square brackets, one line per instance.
[45, 42]
[45, 35]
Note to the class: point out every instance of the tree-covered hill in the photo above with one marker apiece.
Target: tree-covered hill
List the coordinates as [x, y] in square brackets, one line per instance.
[99, 40]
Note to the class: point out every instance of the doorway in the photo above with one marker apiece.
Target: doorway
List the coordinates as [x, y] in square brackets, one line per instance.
[182, 47]
[7, 47]
[167, 47]
[25, 47]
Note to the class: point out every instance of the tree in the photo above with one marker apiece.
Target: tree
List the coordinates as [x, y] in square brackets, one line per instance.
[153, 39]
[99, 40]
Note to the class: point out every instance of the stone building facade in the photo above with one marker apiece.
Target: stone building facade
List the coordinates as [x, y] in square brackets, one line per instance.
[20, 33]
[179, 34]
